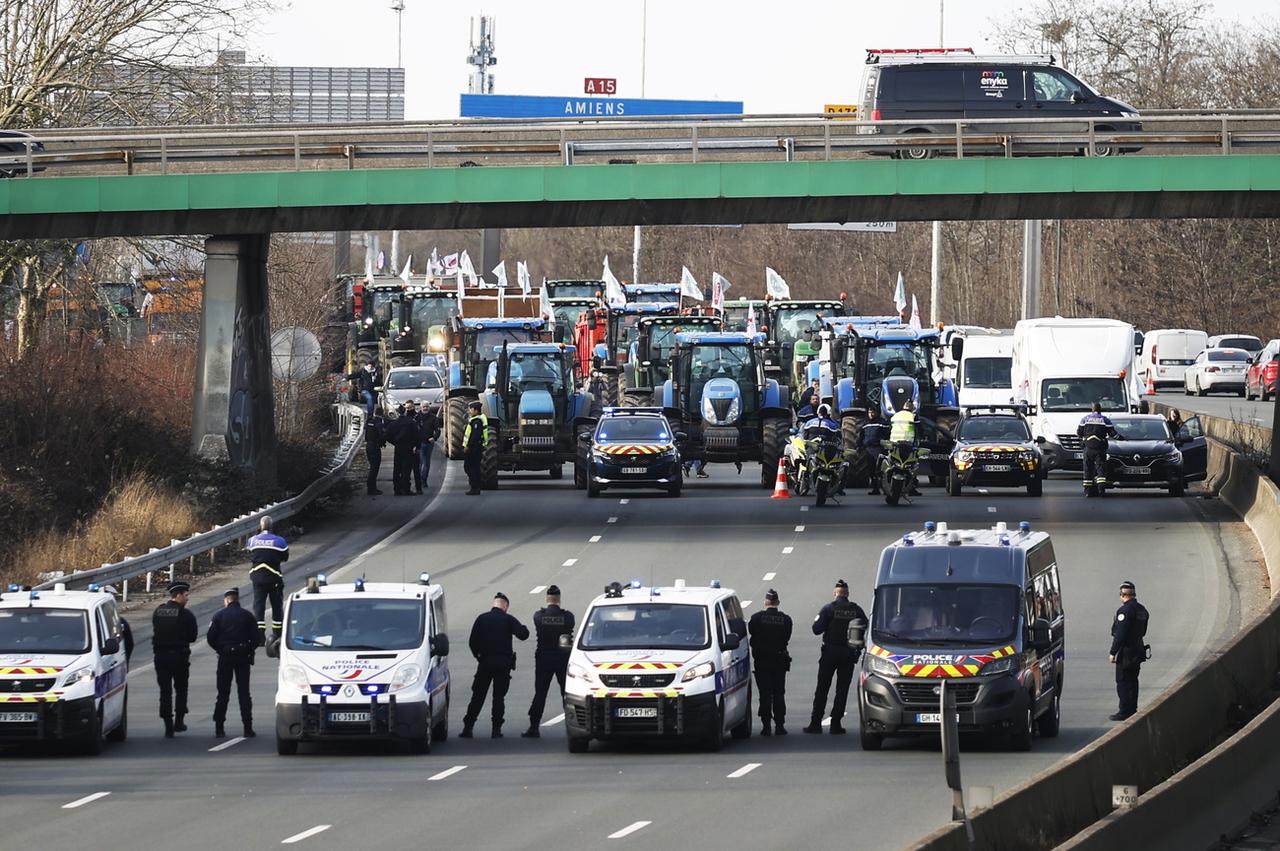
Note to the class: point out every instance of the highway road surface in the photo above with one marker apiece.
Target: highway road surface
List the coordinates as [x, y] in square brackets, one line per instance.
[1255, 413]
[799, 791]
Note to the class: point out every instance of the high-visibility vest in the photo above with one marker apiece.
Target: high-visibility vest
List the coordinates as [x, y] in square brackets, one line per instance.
[484, 434]
[903, 427]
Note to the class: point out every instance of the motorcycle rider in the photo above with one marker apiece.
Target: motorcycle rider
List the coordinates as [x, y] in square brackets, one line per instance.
[902, 433]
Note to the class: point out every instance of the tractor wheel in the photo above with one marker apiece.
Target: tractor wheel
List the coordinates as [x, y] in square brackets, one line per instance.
[850, 440]
[609, 391]
[400, 360]
[557, 471]
[363, 356]
[489, 460]
[581, 466]
[455, 425]
[772, 440]
[637, 399]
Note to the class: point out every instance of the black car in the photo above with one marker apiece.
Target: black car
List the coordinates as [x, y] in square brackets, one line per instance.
[1145, 454]
[630, 448]
[994, 449]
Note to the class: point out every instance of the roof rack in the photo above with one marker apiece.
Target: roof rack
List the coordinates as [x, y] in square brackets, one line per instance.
[947, 54]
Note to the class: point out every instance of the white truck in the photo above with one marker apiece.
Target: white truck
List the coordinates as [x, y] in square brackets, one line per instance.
[1061, 367]
[984, 370]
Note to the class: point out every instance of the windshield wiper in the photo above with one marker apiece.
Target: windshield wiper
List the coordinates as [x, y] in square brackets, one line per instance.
[889, 634]
[311, 641]
[357, 647]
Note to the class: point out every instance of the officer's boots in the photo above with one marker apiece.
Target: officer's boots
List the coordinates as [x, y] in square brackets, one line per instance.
[497, 732]
[815, 726]
[779, 730]
[168, 728]
[219, 730]
[532, 732]
[765, 728]
[248, 731]
[837, 729]
[178, 725]
[466, 730]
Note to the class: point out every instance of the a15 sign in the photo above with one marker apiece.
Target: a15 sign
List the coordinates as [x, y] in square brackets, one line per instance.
[600, 86]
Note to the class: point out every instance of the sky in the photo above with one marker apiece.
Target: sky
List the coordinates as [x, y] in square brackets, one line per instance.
[785, 57]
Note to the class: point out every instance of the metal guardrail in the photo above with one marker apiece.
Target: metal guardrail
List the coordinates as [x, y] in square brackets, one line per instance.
[352, 417]
[693, 138]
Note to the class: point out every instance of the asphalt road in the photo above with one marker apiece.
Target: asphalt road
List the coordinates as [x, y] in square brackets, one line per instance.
[1227, 406]
[515, 793]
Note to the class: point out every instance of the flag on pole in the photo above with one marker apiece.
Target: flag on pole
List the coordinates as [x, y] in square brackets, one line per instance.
[147, 301]
[368, 265]
[522, 277]
[449, 264]
[689, 285]
[915, 313]
[465, 266]
[500, 272]
[614, 295]
[719, 286]
[433, 265]
[751, 319]
[900, 295]
[461, 291]
[544, 306]
[407, 270]
[774, 285]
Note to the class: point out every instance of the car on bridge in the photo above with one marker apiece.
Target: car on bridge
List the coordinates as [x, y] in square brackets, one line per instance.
[1146, 454]
[1260, 381]
[1217, 371]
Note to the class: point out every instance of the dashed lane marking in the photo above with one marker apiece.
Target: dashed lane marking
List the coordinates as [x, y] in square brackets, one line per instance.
[746, 603]
[612, 520]
[991, 509]
[230, 743]
[768, 577]
[88, 799]
[553, 721]
[804, 508]
[306, 834]
[448, 772]
[826, 722]
[537, 589]
[629, 829]
[983, 490]
[786, 551]
[625, 502]
[799, 528]
[744, 771]
[569, 562]
[595, 539]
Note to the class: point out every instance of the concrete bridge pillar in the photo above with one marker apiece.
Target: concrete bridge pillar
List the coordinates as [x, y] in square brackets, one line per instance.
[234, 414]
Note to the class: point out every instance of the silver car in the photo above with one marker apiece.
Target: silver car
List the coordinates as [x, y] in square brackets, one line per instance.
[419, 383]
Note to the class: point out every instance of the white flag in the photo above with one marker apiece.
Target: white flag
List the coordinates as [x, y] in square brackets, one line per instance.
[751, 319]
[449, 264]
[465, 266]
[689, 285]
[461, 291]
[544, 306]
[900, 295]
[147, 301]
[368, 266]
[915, 313]
[774, 285]
[522, 277]
[433, 265]
[614, 295]
[500, 272]
[407, 270]
[719, 286]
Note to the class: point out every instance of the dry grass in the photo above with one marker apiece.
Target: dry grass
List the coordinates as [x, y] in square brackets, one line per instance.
[141, 513]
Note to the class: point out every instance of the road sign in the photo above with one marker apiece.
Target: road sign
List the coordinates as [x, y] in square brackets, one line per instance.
[600, 86]
[522, 106]
[865, 227]
[849, 109]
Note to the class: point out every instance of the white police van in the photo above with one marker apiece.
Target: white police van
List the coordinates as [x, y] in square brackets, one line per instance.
[363, 661]
[662, 661]
[63, 669]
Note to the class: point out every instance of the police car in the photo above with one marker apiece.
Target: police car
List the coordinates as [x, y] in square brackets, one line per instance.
[63, 669]
[994, 448]
[666, 661]
[364, 661]
[630, 448]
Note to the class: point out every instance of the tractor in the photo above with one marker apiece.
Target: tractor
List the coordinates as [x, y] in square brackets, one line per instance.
[652, 293]
[574, 288]
[422, 336]
[737, 314]
[567, 312]
[535, 410]
[720, 398]
[787, 321]
[373, 308]
[603, 338]
[649, 361]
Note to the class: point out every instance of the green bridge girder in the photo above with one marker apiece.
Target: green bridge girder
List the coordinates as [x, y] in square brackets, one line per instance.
[1242, 186]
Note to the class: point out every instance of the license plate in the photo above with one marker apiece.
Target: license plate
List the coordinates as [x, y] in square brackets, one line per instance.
[636, 712]
[997, 468]
[1137, 471]
[932, 717]
[17, 717]
[349, 717]
[628, 471]
[1078, 456]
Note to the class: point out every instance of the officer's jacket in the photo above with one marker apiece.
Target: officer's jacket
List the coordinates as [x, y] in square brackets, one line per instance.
[770, 631]
[832, 622]
[903, 427]
[549, 624]
[1095, 428]
[234, 631]
[874, 434]
[492, 632]
[477, 434]
[173, 628]
[1128, 629]
[267, 551]
[375, 433]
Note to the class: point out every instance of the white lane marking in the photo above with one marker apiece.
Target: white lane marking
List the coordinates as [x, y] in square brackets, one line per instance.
[569, 562]
[799, 528]
[139, 669]
[595, 539]
[450, 473]
[768, 577]
[744, 771]
[786, 551]
[629, 829]
[537, 589]
[991, 509]
[983, 490]
[230, 743]
[554, 721]
[624, 502]
[746, 603]
[306, 834]
[612, 520]
[87, 799]
[804, 508]
[449, 772]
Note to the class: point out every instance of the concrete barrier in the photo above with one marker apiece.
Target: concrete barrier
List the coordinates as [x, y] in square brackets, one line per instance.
[1171, 742]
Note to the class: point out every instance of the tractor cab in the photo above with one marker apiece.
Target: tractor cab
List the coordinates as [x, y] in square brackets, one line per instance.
[737, 314]
[604, 336]
[575, 288]
[425, 319]
[567, 312]
[652, 293]
[477, 341]
[649, 363]
[791, 328]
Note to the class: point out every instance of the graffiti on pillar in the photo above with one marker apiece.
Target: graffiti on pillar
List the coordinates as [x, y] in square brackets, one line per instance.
[251, 418]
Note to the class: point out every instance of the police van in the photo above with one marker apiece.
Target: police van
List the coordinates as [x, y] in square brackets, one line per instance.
[363, 661]
[668, 661]
[980, 609]
[63, 668]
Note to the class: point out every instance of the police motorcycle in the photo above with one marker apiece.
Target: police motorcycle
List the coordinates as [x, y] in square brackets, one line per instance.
[900, 461]
[796, 459]
[825, 464]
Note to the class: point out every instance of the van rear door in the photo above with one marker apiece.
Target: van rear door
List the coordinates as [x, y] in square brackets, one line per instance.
[922, 92]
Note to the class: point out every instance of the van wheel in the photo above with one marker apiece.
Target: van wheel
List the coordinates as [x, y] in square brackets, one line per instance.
[921, 153]
[1020, 738]
[870, 741]
[743, 730]
[579, 744]
[1047, 725]
[91, 744]
[422, 744]
[286, 747]
[121, 732]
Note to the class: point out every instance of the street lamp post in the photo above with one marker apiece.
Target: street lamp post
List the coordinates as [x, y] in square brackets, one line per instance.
[397, 6]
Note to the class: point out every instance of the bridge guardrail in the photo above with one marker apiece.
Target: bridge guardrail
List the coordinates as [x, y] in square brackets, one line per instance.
[352, 421]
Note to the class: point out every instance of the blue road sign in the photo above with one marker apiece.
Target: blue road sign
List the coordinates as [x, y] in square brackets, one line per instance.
[525, 106]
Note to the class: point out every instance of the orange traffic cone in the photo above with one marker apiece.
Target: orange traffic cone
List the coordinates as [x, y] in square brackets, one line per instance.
[780, 487]
[1151, 383]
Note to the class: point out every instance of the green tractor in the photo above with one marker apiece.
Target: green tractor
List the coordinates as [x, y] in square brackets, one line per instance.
[789, 326]
[422, 335]
[649, 363]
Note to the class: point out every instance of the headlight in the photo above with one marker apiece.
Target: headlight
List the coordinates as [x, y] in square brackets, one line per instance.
[880, 665]
[581, 672]
[1174, 457]
[734, 410]
[1128, 114]
[705, 669]
[708, 412]
[405, 676]
[599, 457]
[999, 666]
[1028, 455]
[436, 344]
[79, 675]
[964, 456]
[295, 677]
[369, 321]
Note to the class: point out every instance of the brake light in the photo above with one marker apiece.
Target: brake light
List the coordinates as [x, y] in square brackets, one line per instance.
[1213, 369]
[1153, 352]
[875, 115]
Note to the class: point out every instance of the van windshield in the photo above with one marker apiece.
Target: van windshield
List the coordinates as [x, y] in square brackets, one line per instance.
[32, 630]
[1079, 394]
[945, 614]
[646, 626]
[987, 373]
[346, 624]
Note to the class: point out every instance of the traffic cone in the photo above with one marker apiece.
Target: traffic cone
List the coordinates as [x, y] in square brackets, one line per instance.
[1151, 384]
[780, 487]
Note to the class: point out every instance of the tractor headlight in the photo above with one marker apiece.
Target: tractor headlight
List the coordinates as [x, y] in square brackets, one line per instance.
[436, 343]
[708, 411]
[735, 410]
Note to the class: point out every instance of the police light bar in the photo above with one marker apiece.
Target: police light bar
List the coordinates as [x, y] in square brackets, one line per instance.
[359, 584]
[424, 578]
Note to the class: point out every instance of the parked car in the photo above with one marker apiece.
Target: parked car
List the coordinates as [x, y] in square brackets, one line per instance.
[1248, 342]
[1217, 371]
[1146, 454]
[1260, 381]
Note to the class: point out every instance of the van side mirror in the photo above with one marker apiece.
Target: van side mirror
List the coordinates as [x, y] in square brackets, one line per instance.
[111, 646]
[731, 642]
[566, 641]
[585, 437]
[1040, 639]
[440, 645]
[957, 348]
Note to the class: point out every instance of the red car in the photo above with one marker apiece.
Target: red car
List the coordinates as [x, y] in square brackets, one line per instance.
[1260, 383]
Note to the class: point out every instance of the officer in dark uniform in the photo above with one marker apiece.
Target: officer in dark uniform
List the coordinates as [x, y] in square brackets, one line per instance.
[233, 635]
[402, 434]
[267, 553]
[173, 629]
[770, 631]
[875, 432]
[375, 437]
[490, 643]
[838, 658]
[1094, 430]
[474, 440]
[549, 660]
[1128, 651]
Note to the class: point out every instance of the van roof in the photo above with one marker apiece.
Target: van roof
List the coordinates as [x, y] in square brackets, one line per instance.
[953, 56]
[939, 555]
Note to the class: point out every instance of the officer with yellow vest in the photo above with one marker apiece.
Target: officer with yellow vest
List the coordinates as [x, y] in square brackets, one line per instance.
[474, 440]
[902, 432]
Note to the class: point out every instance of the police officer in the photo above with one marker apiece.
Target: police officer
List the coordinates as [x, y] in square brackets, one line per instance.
[549, 660]
[770, 631]
[490, 643]
[874, 433]
[902, 434]
[1128, 651]
[375, 437]
[1095, 429]
[474, 440]
[267, 553]
[838, 658]
[173, 629]
[403, 435]
[234, 636]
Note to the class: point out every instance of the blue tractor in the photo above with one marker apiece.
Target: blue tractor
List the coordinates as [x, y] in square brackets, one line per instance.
[535, 410]
[473, 348]
[652, 293]
[649, 361]
[719, 397]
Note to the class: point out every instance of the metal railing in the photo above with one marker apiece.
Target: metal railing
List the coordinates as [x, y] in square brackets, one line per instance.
[693, 139]
[352, 421]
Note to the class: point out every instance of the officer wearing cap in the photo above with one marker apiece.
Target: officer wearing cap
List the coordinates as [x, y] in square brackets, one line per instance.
[549, 660]
[1128, 651]
[173, 629]
[770, 631]
[838, 658]
[490, 643]
[233, 635]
